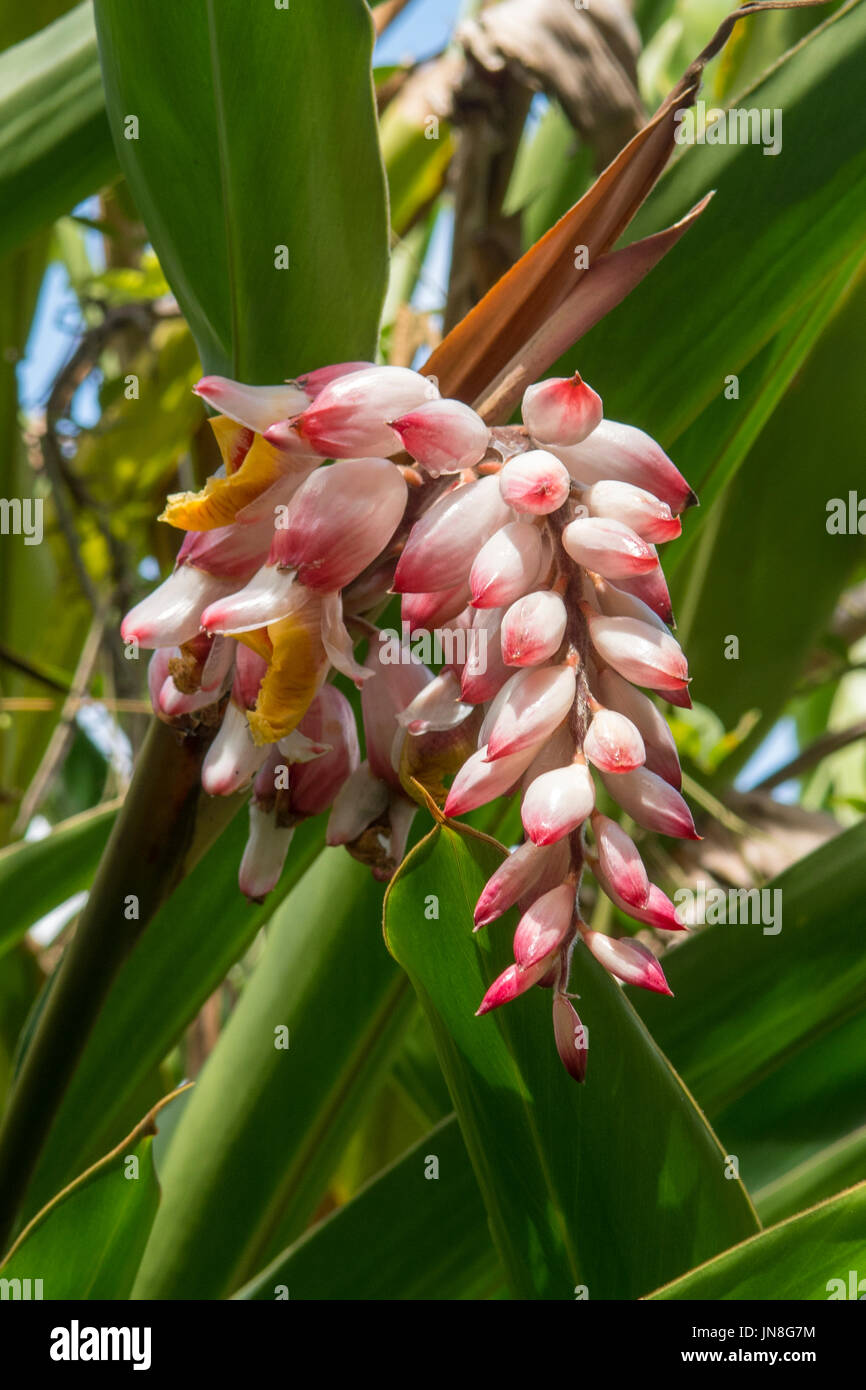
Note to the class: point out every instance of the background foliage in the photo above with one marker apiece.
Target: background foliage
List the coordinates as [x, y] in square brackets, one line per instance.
[400, 201]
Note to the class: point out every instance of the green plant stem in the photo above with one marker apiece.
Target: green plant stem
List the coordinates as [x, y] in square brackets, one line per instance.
[150, 849]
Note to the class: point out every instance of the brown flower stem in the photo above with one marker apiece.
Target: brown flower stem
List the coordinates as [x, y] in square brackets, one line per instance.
[153, 844]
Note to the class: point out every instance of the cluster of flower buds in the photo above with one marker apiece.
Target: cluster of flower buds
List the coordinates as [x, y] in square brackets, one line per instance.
[535, 545]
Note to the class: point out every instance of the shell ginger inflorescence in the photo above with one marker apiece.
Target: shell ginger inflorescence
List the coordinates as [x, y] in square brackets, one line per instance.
[529, 553]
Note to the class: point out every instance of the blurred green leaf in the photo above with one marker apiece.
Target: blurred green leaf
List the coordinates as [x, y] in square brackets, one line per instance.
[38, 875]
[407, 1235]
[799, 1259]
[747, 1001]
[264, 1130]
[827, 1172]
[775, 509]
[21, 979]
[776, 229]
[198, 934]
[556, 1162]
[229, 195]
[87, 1243]
[55, 145]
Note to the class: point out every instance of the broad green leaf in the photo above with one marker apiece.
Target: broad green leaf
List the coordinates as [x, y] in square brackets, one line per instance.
[414, 1232]
[830, 1170]
[774, 510]
[795, 1131]
[55, 145]
[257, 171]
[747, 999]
[38, 875]
[87, 1243]
[267, 1123]
[808, 1257]
[188, 948]
[776, 228]
[570, 1201]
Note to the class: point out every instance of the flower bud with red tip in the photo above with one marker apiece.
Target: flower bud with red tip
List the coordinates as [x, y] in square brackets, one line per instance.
[535, 482]
[630, 961]
[443, 436]
[561, 410]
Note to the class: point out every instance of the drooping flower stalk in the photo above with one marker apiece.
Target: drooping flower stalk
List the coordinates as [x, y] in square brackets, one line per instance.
[530, 551]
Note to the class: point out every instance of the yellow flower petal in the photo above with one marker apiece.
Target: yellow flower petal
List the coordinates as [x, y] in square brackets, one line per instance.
[250, 470]
[257, 640]
[298, 667]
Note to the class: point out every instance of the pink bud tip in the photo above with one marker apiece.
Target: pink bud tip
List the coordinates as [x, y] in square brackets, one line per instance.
[562, 410]
[630, 961]
[508, 986]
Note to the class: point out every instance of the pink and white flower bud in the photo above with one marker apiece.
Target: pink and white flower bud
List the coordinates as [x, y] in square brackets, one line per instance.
[233, 758]
[607, 547]
[620, 861]
[425, 612]
[613, 743]
[652, 589]
[267, 597]
[228, 552]
[528, 709]
[658, 911]
[158, 674]
[661, 750]
[330, 720]
[171, 615]
[438, 706]
[443, 436]
[518, 875]
[484, 672]
[545, 926]
[265, 854]
[652, 802]
[556, 803]
[561, 410]
[314, 383]
[337, 641]
[349, 416]
[616, 603]
[629, 456]
[338, 521]
[511, 984]
[506, 566]
[257, 407]
[535, 482]
[648, 517]
[643, 654]
[570, 1036]
[446, 539]
[362, 799]
[393, 686]
[628, 960]
[479, 781]
[533, 629]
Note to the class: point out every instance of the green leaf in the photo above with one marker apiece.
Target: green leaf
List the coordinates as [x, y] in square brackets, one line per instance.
[406, 1235]
[710, 307]
[776, 508]
[266, 1124]
[55, 145]
[567, 1202]
[747, 1000]
[87, 1243]
[795, 1131]
[194, 939]
[798, 1259]
[256, 131]
[38, 875]
[826, 1173]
